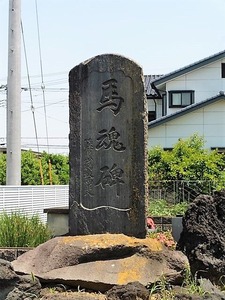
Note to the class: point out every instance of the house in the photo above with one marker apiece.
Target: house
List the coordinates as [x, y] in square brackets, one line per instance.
[187, 101]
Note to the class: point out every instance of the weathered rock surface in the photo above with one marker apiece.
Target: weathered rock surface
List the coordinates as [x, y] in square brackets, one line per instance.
[210, 289]
[12, 253]
[68, 295]
[98, 262]
[13, 286]
[131, 291]
[203, 236]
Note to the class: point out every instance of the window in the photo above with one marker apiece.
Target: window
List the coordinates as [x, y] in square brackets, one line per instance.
[151, 116]
[223, 70]
[167, 149]
[164, 104]
[180, 98]
[219, 149]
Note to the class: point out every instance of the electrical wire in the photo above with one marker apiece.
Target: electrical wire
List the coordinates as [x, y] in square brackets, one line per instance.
[29, 84]
[42, 76]
[54, 103]
[37, 76]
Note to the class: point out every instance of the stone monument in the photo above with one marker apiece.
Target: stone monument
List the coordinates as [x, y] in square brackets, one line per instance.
[108, 147]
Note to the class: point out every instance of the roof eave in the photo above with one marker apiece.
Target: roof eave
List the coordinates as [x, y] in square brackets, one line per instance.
[185, 110]
[189, 68]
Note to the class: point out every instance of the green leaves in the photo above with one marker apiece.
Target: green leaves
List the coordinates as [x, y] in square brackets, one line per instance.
[164, 208]
[19, 230]
[2, 168]
[188, 160]
[54, 168]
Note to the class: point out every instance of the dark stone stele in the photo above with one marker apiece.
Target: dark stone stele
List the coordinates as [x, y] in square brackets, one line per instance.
[108, 147]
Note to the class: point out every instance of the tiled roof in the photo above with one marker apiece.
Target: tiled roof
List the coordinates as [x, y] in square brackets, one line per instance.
[147, 82]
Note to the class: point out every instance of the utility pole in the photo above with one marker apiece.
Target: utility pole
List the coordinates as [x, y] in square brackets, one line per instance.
[13, 170]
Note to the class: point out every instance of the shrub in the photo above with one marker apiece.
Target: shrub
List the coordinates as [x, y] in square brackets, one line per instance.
[19, 230]
[188, 161]
[164, 208]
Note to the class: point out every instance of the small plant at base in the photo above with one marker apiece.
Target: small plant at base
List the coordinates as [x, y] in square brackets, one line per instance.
[32, 277]
[165, 237]
[190, 283]
[160, 290]
[222, 282]
[52, 290]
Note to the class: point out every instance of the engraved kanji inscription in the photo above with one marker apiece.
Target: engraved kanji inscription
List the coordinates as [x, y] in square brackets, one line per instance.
[88, 167]
[108, 139]
[111, 177]
[110, 97]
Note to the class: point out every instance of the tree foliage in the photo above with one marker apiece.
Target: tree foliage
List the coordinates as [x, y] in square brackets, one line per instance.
[2, 168]
[188, 160]
[37, 169]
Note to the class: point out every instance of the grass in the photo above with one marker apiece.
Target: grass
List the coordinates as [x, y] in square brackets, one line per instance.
[163, 290]
[19, 230]
[163, 208]
[191, 284]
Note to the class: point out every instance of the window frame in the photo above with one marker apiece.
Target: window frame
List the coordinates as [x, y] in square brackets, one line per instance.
[171, 93]
[151, 115]
[222, 70]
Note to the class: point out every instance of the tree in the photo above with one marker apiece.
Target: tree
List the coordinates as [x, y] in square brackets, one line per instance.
[188, 161]
[59, 166]
[30, 169]
[2, 168]
[52, 168]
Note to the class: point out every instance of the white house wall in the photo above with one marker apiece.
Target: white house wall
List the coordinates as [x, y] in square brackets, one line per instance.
[158, 108]
[208, 122]
[205, 81]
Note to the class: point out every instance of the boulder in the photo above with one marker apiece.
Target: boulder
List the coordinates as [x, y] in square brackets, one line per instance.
[98, 262]
[131, 291]
[210, 289]
[8, 279]
[72, 295]
[203, 236]
[13, 286]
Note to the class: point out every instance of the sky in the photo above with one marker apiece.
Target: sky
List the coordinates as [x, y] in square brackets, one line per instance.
[160, 35]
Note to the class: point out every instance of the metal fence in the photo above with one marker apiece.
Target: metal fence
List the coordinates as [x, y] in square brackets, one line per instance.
[33, 199]
[176, 191]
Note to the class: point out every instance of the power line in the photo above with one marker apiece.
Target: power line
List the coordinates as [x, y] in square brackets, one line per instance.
[28, 78]
[45, 145]
[50, 138]
[42, 76]
[47, 89]
[54, 103]
[40, 138]
[65, 122]
[38, 75]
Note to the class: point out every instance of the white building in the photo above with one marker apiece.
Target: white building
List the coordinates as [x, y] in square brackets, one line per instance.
[187, 101]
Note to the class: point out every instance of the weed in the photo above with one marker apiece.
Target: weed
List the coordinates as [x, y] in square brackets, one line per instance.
[164, 237]
[163, 208]
[191, 284]
[222, 282]
[161, 290]
[19, 230]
